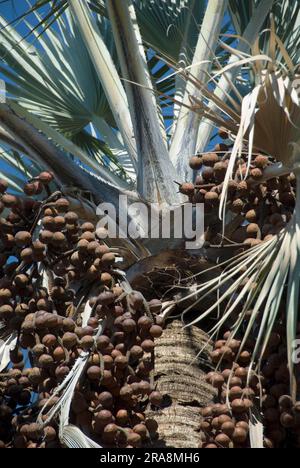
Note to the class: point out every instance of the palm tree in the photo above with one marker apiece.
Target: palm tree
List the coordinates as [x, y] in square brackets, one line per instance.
[114, 98]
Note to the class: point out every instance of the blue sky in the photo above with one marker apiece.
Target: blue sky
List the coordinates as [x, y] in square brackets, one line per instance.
[12, 8]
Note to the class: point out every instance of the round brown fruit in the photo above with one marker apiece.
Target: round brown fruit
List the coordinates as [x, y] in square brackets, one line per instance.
[156, 399]
[196, 163]
[228, 428]
[187, 188]
[238, 406]
[223, 440]
[122, 417]
[156, 331]
[46, 178]
[62, 205]
[210, 159]
[239, 436]
[261, 161]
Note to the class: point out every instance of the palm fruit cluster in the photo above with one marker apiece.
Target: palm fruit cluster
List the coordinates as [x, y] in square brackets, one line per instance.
[264, 206]
[257, 209]
[54, 268]
[226, 422]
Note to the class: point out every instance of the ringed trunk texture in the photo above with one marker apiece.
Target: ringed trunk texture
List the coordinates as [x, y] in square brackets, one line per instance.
[180, 376]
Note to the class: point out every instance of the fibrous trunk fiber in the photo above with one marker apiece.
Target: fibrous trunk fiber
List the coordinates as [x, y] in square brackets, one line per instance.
[180, 375]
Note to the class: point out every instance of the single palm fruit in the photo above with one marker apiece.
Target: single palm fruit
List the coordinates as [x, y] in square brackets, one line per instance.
[210, 159]
[46, 177]
[9, 201]
[29, 189]
[136, 300]
[142, 431]
[106, 279]
[237, 206]
[243, 188]
[23, 239]
[287, 420]
[121, 362]
[196, 163]
[126, 392]
[256, 173]
[134, 439]
[228, 428]
[108, 259]
[27, 255]
[71, 217]
[101, 249]
[6, 312]
[129, 325]
[46, 237]
[106, 400]
[122, 416]
[220, 169]
[261, 161]
[156, 399]
[156, 331]
[252, 230]
[285, 402]
[45, 361]
[241, 373]
[59, 354]
[238, 406]
[94, 373]
[136, 352]
[88, 227]
[62, 205]
[235, 393]
[208, 174]
[69, 340]
[244, 425]
[59, 222]
[226, 353]
[50, 434]
[106, 298]
[59, 239]
[48, 223]
[148, 346]
[223, 440]
[251, 216]
[21, 280]
[211, 197]
[239, 436]
[217, 380]
[245, 357]
[87, 342]
[187, 188]
[155, 306]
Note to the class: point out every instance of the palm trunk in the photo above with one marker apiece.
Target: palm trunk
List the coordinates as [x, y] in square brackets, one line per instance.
[180, 375]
